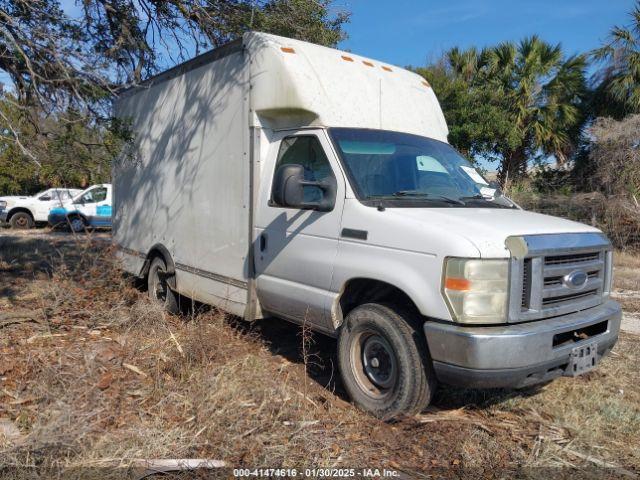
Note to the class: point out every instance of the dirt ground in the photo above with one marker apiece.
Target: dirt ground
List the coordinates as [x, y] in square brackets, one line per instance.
[94, 378]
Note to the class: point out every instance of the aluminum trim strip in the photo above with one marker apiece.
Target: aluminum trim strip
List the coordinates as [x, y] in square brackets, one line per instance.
[213, 276]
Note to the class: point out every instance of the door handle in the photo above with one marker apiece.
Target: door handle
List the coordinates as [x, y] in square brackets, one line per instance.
[263, 242]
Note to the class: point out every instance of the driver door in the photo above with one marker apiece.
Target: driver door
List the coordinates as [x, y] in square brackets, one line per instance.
[90, 202]
[295, 249]
[44, 203]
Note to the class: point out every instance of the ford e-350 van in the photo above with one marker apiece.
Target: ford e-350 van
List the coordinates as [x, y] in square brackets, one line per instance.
[272, 177]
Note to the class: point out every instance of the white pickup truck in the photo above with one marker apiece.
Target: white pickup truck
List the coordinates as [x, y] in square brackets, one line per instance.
[272, 177]
[91, 208]
[25, 211]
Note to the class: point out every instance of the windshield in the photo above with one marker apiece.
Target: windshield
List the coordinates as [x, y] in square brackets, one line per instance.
[399, 168]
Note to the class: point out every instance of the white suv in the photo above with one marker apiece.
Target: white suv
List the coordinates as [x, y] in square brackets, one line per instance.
[25, 212]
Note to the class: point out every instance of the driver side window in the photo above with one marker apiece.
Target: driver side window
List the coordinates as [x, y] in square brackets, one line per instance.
[50, 195]
[306, 150]
[94, 196]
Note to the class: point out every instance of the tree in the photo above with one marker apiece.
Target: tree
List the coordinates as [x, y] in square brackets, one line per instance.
[59, 60]
[613, 158]
[78, 150]
[67, 69]
[479, 125]
[617, 89]
[529, 95]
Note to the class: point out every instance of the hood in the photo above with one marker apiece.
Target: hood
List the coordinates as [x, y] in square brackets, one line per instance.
[13, 199]
[488, 228]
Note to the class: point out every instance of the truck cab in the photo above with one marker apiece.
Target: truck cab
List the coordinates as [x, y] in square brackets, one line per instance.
[27, 211]
[90, 208]
[275, 178]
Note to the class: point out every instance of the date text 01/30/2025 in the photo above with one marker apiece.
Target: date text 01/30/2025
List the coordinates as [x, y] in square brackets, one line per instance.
[316, 472]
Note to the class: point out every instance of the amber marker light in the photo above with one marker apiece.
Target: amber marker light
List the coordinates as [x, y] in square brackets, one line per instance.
[368, 64]
[347, 59]
[287, 50]
[387, 69]
[459, 284]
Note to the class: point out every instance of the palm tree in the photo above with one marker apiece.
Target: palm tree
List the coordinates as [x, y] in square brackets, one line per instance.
[617, 91]
[538, 89]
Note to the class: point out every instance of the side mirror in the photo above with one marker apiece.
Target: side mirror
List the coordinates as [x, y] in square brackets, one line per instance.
[288, 189]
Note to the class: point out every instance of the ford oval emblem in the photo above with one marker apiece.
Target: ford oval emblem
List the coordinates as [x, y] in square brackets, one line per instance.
[575, 280]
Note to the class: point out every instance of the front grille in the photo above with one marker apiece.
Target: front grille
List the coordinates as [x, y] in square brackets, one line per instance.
[526, 284]
[546, 289]
[572, 258]
[564, 298]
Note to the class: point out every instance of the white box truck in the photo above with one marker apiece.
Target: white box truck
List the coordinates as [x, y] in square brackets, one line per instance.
[273, 177]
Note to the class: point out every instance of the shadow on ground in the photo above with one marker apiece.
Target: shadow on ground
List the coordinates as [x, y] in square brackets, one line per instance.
[25, 256]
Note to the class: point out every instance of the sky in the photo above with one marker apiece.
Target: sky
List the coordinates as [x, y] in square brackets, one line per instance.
[415, 32]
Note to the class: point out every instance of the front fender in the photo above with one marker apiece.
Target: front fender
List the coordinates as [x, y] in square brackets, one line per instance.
[418, 275]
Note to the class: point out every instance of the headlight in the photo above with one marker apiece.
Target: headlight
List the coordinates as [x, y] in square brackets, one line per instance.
[3, 203]
[477, 290]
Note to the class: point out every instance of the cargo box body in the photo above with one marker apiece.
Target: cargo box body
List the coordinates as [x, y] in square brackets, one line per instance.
[200, 131]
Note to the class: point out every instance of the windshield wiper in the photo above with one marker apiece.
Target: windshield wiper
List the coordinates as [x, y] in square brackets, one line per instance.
[485, 199]
[430, 196]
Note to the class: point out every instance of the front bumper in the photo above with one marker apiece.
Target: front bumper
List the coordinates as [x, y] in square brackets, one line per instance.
[521, 354]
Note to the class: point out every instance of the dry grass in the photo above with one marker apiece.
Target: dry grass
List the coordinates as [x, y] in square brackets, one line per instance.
[627, 280]
[97, 374]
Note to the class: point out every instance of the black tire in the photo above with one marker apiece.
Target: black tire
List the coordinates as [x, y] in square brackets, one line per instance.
[158, 288]
[384, 362]
[21, 220]
[76, 223]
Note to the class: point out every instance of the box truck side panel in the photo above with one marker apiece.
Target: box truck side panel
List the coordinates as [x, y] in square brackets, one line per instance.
[185, 184]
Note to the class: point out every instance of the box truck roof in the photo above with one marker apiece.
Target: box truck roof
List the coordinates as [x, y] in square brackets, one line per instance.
[328, 87]
[296, 83]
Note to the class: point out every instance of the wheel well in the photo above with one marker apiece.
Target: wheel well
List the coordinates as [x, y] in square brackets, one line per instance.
[19, 210]
[159, 250]
[365, 290]
[76, 214]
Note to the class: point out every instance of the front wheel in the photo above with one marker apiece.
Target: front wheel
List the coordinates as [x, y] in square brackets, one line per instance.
[21, 220]
[384, 362]
[159, 290]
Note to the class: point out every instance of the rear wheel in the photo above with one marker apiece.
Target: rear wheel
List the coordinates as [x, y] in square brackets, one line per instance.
[21, 220]
[384, 362]
[77, 224]
[158, 287]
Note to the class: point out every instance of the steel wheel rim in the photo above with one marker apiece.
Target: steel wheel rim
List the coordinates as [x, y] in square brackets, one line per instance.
[22, 222]
[159, 286]
[77, 224]
[374, 364]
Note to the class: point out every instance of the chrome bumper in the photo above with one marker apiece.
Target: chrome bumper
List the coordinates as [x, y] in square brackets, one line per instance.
[3, 215]
[520, 354]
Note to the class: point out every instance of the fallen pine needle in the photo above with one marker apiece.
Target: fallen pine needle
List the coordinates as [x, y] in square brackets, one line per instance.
[178, 346]
[134, 369]
[601, 463]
